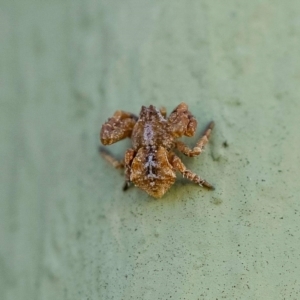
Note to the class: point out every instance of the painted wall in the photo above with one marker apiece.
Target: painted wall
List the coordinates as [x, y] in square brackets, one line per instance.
[67, 231]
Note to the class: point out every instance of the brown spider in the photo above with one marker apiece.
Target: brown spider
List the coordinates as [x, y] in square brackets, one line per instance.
[151, 164]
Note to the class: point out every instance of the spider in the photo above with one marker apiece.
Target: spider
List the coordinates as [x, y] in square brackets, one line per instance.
[150, 163]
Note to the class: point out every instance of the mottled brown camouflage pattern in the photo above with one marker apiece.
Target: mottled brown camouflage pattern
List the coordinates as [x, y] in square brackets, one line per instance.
[151, 164]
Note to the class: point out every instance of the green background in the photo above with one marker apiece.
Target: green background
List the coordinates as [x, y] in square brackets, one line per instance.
[67, 231]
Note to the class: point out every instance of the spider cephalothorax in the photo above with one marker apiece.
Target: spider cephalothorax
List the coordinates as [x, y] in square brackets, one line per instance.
[151, 163]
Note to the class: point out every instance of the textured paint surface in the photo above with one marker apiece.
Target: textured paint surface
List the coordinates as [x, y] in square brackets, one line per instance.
[67, 231]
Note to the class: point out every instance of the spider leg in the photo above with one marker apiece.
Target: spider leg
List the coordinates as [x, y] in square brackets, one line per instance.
[181, 122]
[179, 166]
[200, 144]
[126, 186]
[129, 156]
[118, 127]
[111, 159]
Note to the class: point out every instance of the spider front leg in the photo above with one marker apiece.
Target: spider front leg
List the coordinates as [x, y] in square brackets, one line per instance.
[179, 166]
[129, 156]
[200, 144]
[181, 122]
[118, 127]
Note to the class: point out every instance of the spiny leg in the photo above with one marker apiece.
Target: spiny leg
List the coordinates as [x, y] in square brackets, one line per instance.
[179, 166]
[118, 127]
[200, 144]
[126, 185]
[112, 160]
[129, 156]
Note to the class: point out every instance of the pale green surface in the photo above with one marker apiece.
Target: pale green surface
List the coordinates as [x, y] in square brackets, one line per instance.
[67, 231]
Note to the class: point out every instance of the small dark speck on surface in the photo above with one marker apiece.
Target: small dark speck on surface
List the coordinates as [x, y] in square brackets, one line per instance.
[225, 144]
[216, 201]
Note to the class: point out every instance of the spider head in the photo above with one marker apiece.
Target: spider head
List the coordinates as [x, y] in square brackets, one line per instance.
[151, 114]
